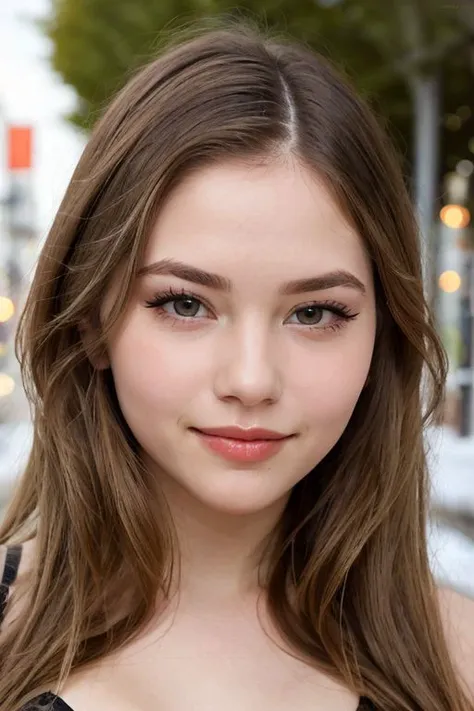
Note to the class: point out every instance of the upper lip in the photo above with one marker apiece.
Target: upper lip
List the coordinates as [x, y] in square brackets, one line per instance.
[240, 433]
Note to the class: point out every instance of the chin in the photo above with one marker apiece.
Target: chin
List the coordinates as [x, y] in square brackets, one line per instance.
[243, 499]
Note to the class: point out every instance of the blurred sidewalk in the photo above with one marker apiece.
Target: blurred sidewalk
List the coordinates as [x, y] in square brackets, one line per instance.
[451, 529]
[15, 444]
[451, 461]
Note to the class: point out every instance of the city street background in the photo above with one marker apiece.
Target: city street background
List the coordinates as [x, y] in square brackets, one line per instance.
[50, 94]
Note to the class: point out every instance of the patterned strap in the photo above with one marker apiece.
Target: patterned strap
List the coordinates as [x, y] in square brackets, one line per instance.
[10, 571]
[46, 702]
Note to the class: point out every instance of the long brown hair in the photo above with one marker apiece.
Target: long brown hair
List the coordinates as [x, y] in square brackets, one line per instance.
[349, 583]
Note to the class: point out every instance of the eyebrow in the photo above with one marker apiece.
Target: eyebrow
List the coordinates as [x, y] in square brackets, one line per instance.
[220, 283]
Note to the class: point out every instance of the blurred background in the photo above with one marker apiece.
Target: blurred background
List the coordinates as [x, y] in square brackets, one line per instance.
[60, 62]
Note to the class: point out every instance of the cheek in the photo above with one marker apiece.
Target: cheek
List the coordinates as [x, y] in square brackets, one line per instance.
[335, 378]
[151, 375]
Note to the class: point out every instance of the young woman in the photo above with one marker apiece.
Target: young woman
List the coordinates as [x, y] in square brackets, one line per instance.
[225, 504]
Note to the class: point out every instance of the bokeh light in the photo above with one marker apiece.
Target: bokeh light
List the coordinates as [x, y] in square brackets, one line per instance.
[7, 309]
[453, 122]
[465, 168]
[7, 385]
[449, 281]
[455, 216]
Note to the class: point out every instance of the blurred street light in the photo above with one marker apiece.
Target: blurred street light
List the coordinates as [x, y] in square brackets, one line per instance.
[465, 168]
[7, 385]
[455, 216]
[449, 281]
[7, 309]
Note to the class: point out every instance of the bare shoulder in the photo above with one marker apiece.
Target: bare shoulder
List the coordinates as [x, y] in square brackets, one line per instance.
[17, 602]
[457, 614]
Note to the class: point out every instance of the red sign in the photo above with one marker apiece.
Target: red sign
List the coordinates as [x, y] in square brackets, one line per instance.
[19, 147]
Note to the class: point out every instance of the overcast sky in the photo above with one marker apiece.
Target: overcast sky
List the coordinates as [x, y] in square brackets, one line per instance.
[31, 94]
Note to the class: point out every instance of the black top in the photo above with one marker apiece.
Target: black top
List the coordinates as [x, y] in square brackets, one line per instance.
[49, 701]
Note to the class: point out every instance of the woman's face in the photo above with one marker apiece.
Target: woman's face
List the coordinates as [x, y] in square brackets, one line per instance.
[268, 321]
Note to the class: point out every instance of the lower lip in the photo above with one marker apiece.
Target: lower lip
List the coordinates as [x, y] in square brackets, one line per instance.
[239, 450]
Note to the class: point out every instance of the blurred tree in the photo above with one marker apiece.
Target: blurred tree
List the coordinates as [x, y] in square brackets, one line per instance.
[99, 43]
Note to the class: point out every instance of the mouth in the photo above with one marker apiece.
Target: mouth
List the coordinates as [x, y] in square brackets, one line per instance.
[242, 450]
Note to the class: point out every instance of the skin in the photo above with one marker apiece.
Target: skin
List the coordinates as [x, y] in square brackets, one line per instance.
[250, 357]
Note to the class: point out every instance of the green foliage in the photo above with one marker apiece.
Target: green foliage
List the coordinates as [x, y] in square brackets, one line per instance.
[98, 44]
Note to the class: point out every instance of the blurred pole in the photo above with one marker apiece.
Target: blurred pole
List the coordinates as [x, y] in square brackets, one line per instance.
[3, 199]
[426, 92]
[19, 201]
[465, 372]
[457, 215]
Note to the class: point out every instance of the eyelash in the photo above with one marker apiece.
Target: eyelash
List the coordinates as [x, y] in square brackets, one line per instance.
[340, 310]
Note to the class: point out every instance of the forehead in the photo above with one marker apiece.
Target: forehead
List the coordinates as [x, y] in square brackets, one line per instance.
[257, 221]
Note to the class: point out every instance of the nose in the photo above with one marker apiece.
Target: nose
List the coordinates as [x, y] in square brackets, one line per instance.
[246, 368]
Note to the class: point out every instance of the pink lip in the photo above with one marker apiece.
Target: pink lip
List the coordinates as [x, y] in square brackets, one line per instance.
[242, 450]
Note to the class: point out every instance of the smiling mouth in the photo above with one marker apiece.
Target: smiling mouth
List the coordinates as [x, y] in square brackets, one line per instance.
[241, 450]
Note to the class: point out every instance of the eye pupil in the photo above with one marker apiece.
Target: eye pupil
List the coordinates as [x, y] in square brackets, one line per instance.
[189, 305]
[312, 312]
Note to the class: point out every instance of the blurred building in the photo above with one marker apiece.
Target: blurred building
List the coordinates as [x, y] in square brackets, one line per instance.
[455, 297]
[18, 239]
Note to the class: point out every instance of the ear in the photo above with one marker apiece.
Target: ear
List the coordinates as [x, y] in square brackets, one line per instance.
[96, 352]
